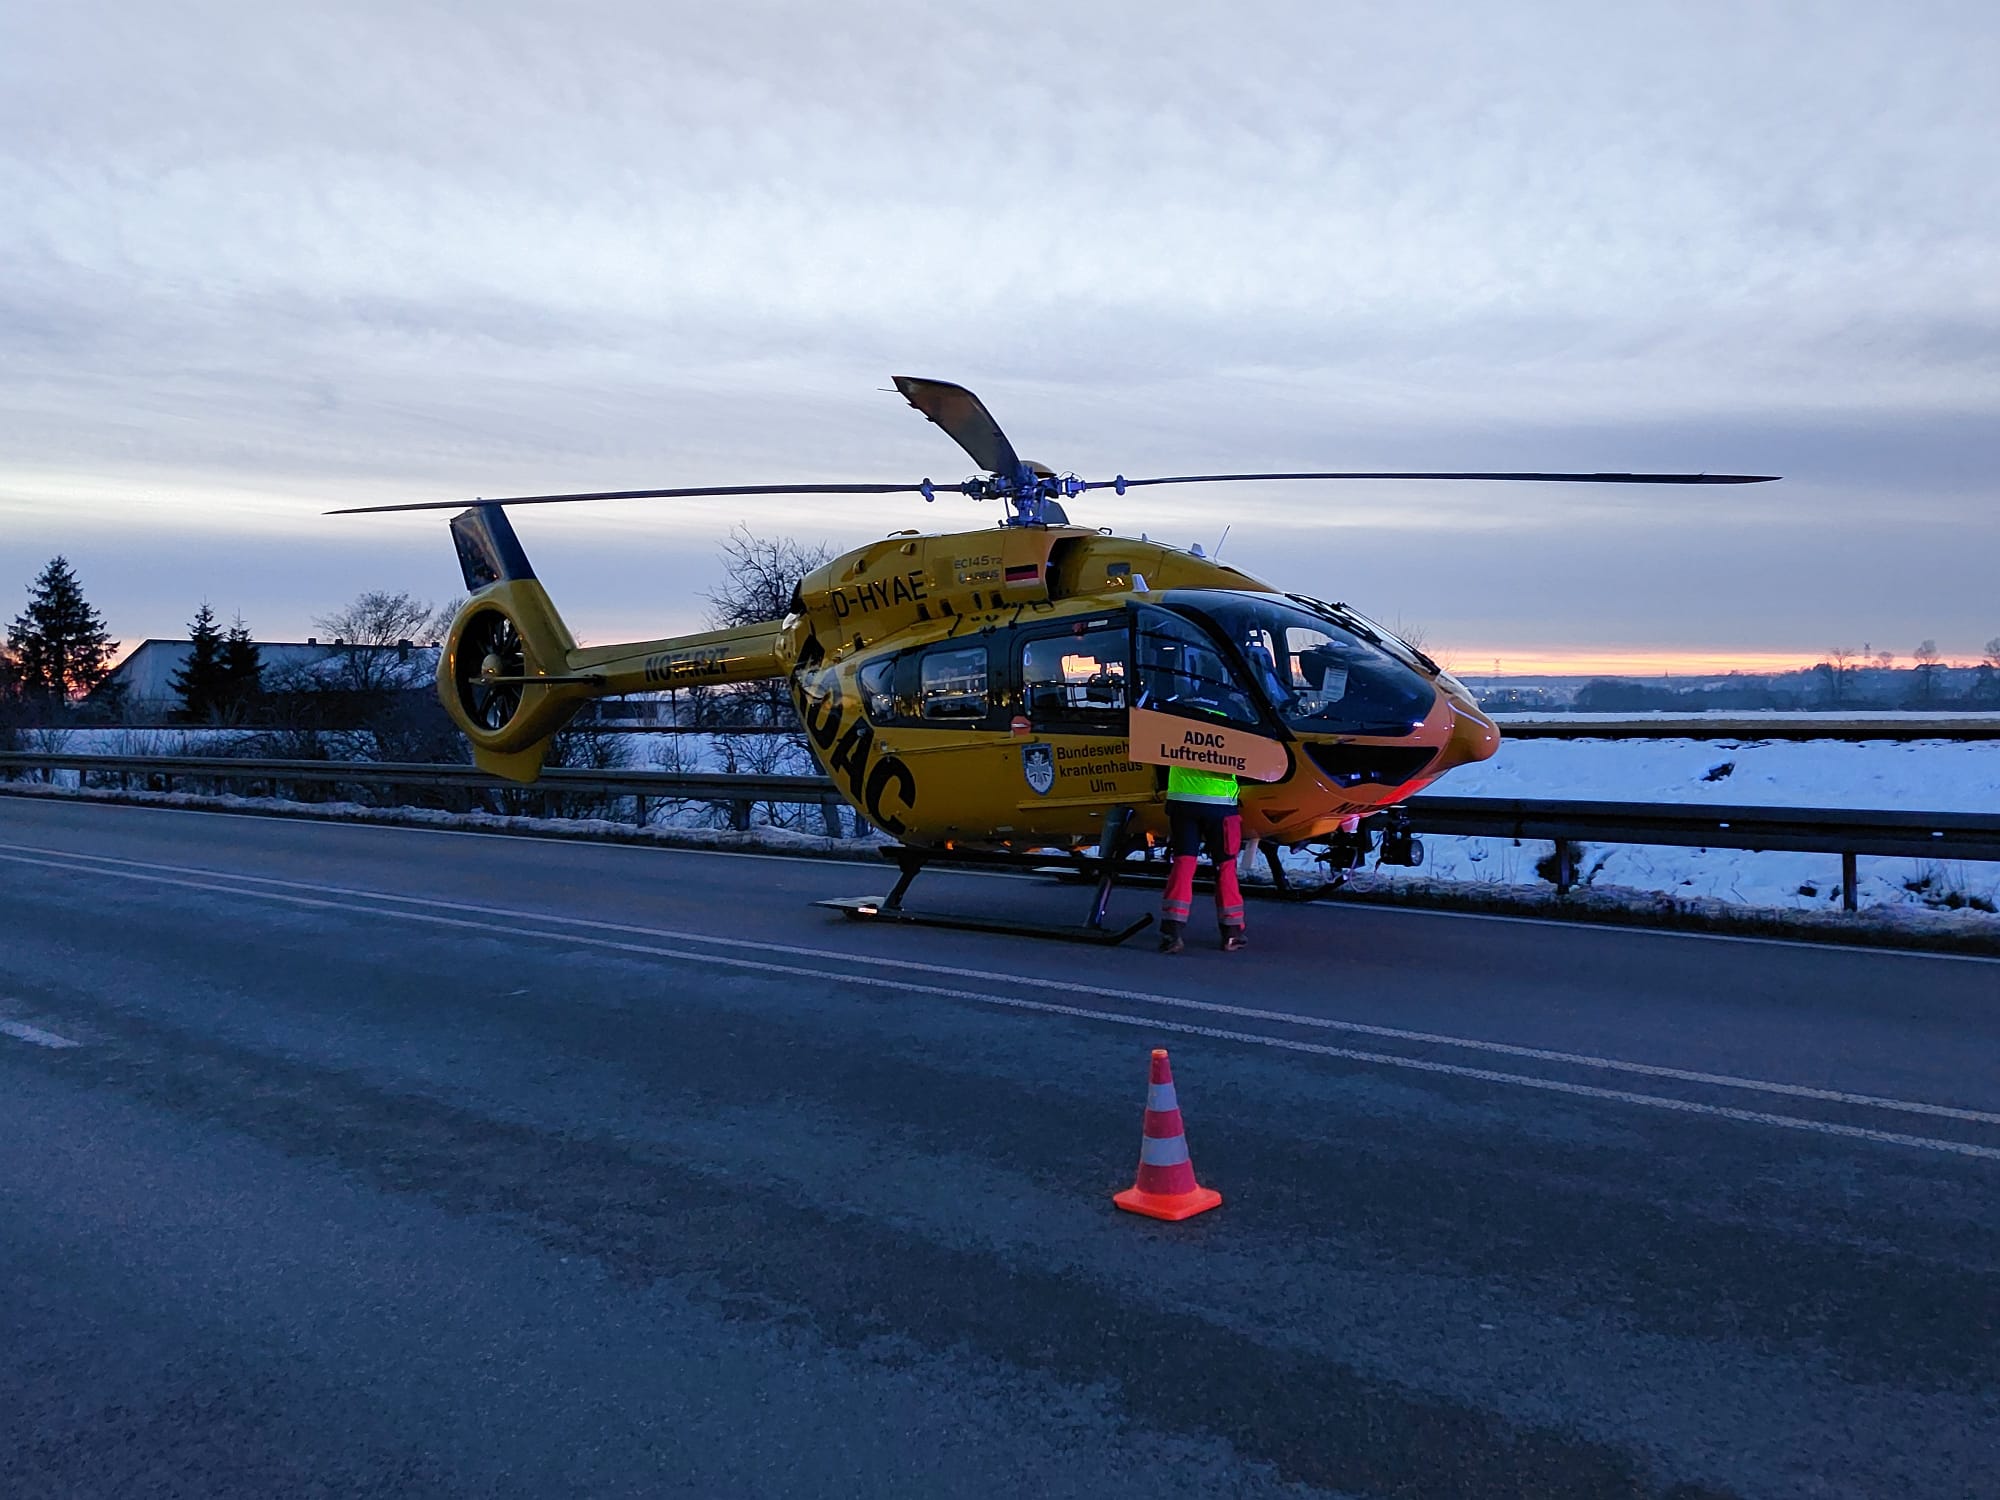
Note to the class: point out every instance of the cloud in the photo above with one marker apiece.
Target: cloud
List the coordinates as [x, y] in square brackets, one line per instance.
[262, 262]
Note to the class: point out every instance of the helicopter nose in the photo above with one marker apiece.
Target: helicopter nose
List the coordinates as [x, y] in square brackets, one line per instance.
[1473, 737]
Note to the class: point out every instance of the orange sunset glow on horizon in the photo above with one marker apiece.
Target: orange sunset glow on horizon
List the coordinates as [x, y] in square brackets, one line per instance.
[1626, 661]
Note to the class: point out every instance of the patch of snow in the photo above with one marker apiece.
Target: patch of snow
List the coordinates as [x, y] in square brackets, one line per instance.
[1878, 775]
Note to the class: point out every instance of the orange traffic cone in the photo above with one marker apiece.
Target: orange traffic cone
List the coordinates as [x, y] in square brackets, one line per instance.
[1165, 1188]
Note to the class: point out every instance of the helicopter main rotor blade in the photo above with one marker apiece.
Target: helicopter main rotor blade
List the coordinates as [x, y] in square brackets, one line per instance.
[965, 417]
[1122, 484]
[926, 488]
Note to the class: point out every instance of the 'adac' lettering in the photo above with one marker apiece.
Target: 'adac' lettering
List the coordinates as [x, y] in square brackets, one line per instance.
[850, 756]
[890, 768]
[822, 716]
[879, 791]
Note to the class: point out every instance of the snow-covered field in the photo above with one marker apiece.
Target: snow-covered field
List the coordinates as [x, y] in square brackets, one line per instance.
[1933, 775]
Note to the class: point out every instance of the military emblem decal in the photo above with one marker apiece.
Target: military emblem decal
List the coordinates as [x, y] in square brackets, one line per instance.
[1038, 764]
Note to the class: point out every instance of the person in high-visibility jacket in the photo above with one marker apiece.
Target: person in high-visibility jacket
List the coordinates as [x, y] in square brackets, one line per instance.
[1203, 812]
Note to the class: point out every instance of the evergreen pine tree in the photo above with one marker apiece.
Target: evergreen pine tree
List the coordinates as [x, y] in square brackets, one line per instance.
[202, 682]
[59, 641]
[242, 671]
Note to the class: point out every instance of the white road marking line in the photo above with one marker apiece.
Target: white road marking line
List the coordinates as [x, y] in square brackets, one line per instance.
[1139, 997]
[22, 1031]
[1115, 1018]
[1355, 908]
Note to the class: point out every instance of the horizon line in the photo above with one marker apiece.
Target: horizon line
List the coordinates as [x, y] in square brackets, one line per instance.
[1639, 661]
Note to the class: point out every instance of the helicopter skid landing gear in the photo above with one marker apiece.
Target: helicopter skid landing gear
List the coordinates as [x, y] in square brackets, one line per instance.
[1284, 887]
[909, 862]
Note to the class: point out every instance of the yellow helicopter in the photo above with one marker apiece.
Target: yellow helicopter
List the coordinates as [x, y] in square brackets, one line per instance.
[1019, 688]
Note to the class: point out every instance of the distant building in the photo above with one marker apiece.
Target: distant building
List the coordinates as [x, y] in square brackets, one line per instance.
[143, 683]
[636, 710]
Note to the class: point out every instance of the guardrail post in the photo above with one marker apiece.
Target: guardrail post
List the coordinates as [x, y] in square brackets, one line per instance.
[1565, 866]
[739, 814]
[1850, 899]
[639, 812]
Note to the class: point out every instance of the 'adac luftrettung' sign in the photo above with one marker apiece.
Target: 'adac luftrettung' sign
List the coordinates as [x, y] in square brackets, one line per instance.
[1164, 740]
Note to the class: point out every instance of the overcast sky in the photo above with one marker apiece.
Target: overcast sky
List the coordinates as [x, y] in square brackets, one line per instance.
[261, 260]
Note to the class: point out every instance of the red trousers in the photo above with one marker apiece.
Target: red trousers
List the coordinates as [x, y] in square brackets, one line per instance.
[1195, 827]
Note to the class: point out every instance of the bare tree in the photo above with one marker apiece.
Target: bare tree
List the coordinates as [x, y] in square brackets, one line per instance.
[1927, 664]
[377, 619]
[760, 576]
[1840, 673]
[1986, 681]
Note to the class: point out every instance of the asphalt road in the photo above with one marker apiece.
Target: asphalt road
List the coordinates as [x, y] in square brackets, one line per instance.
[345, 1160]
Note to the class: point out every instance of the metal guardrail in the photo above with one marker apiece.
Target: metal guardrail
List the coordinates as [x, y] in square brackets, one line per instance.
[1819, 830]
[615, 781]
[738, 791]
[1811, 830]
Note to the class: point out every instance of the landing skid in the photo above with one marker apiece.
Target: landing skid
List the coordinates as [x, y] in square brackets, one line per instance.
[890, 908]
[1281, 888]
[874, 909]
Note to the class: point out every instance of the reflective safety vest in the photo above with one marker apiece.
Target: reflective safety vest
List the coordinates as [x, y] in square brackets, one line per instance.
[1185, 784]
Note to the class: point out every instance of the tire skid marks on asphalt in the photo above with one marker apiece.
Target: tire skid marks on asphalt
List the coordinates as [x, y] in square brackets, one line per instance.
[1073, 987]
[1018, 1002]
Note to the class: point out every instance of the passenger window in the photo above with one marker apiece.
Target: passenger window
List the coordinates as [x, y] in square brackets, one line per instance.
[952, 684]
[878, 689]
[1079, 674]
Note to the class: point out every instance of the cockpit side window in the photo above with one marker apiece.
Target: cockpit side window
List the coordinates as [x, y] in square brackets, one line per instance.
[1319, 676]
[1180, 670]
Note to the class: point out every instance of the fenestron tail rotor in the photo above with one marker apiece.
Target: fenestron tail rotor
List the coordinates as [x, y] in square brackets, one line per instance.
[488, 669]
[1032, 492]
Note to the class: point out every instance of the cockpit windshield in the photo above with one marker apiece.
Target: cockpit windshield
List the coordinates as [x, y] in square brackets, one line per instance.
[1320, 676]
